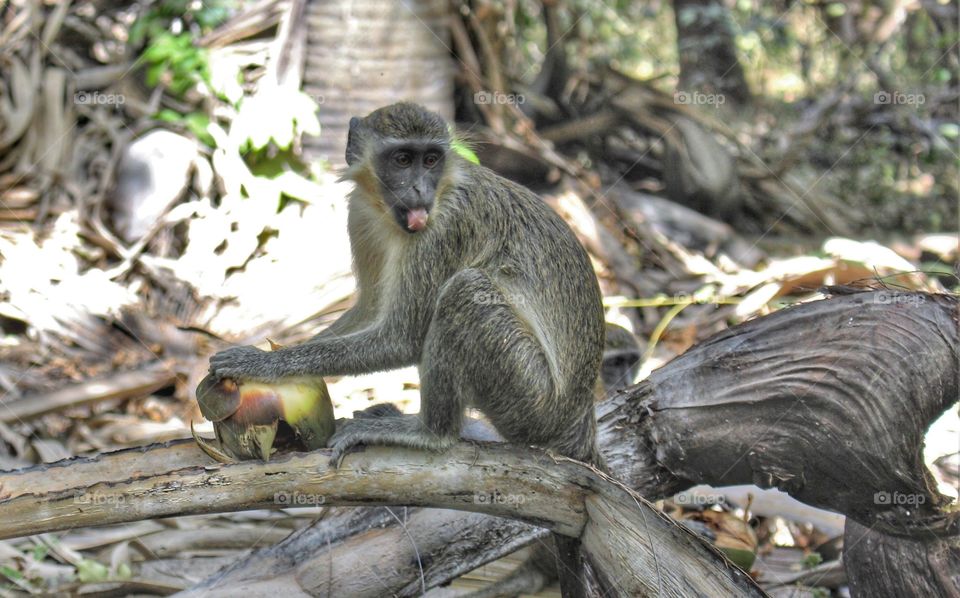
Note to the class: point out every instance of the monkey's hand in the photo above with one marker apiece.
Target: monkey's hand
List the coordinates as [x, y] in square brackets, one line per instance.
[246, 363]
[392, 430]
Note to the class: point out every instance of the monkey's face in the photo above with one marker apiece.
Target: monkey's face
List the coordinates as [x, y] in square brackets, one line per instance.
[402, 149]
[409, 173]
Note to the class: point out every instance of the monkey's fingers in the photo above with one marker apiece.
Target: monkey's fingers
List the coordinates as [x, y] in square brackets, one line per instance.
[244, 363]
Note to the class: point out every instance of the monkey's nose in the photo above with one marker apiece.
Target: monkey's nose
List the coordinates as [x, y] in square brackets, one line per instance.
[417, 219]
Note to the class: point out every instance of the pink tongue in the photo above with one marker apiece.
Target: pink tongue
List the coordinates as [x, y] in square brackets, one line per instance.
[417, 219]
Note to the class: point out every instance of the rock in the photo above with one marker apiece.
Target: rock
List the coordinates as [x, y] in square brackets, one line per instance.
[153, 174]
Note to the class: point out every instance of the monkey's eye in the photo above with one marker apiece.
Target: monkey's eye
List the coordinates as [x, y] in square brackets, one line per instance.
[431, 159]
[402, 159]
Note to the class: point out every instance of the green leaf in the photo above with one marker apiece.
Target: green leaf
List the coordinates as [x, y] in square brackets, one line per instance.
[304, 110]
[298, 187]
[157, 51]
[154, 72]
[949, 130]
[9, 573]
[168, 116]
[211, 16]
[138, 31]
[836, 9]
[189, 63]
[40, 552]
[464, 151]
[89, 571]
[269, 168]
[197, 123]
[741, 557]
[812, 560]
[178, 86]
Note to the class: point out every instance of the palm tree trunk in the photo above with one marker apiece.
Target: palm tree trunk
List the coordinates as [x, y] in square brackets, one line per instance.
[363, 54]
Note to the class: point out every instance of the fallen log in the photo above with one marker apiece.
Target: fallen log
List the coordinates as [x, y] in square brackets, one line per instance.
[878, 564]
[827, 401]
[633, 547]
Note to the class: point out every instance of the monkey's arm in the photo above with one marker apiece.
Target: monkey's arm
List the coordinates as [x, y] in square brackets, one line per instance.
[368, 350]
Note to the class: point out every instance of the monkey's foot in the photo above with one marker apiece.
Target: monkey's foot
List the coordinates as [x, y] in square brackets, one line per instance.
[402, 430]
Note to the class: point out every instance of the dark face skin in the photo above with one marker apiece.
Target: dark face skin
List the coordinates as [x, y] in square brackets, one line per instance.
[409, 172]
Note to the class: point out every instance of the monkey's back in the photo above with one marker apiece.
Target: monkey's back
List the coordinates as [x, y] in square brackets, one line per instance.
[542, 269]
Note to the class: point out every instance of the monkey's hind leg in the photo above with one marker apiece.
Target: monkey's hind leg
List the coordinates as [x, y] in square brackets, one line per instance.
[478, 351]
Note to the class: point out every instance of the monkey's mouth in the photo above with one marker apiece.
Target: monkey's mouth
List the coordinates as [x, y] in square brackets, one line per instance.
[413, 220]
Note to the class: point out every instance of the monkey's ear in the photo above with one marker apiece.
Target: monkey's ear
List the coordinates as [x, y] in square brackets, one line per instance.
[354, 152]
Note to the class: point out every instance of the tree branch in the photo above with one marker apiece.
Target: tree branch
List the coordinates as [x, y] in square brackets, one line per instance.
[627, 540]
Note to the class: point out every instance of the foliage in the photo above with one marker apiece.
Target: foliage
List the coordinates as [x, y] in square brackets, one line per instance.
[195, 122]
[169, 30]
[176, 62]
[91, 571]
[264, 137]
[258, 122]
[192, 15]
[812, 559]
[249, 127]
[634, 36]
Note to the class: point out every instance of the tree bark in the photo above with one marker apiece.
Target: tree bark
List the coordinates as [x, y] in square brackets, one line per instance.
[881, 565]
[827, 401]
[364, 54]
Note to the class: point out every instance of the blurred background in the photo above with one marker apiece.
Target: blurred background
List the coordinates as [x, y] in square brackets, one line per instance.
[169, 187]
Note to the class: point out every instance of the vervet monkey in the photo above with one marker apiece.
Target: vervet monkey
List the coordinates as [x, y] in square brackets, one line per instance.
[471, 277]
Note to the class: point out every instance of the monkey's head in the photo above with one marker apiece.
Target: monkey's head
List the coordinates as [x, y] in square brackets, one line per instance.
[399, 154]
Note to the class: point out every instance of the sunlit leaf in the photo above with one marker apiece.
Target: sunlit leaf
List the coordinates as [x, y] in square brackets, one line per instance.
[198, 124]
[89, 571]
[169, 116]
[464, 151]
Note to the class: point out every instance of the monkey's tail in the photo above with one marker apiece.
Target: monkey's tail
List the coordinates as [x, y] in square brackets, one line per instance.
[529, 578]
[570, 566]
[558, 556]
